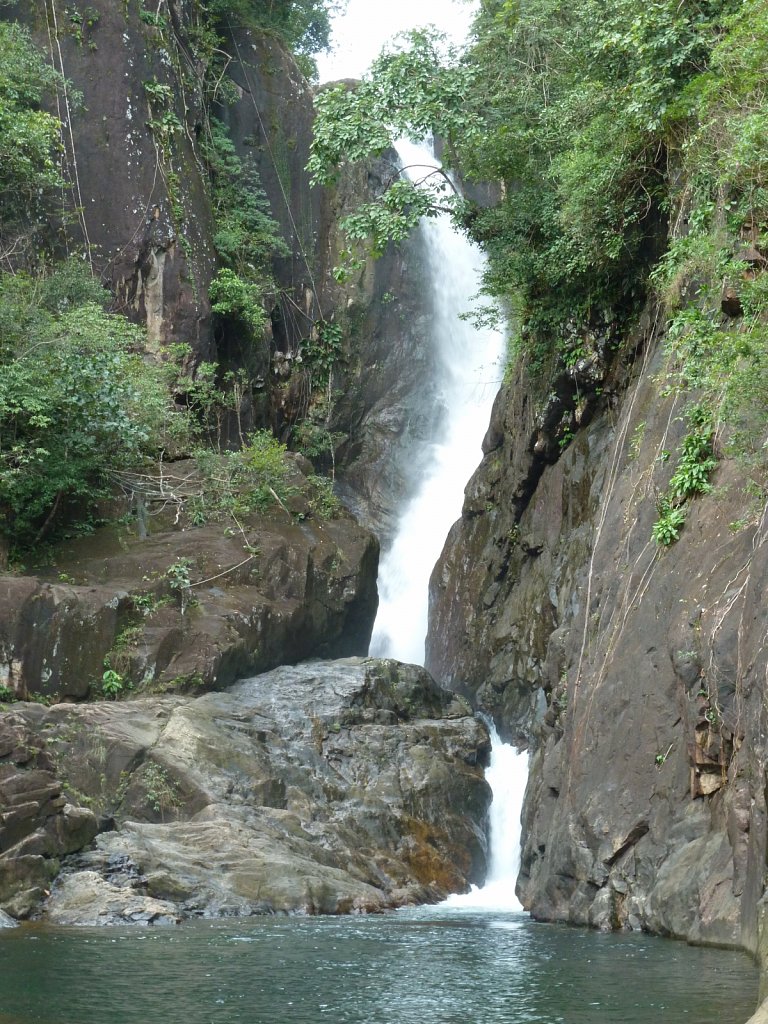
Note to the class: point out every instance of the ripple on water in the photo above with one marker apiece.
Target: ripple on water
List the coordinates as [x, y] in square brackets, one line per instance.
[426, 966]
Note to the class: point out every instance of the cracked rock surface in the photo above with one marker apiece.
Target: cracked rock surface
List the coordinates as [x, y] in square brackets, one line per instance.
[327, 787]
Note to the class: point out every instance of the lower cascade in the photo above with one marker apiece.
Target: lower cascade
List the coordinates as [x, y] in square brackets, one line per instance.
[507, 775]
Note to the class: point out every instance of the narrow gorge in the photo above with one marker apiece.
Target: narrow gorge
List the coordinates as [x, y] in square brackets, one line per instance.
[248, 334]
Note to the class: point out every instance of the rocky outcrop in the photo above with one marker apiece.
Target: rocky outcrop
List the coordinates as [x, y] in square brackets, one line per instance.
[38, 825]
[325, 788]
[189, 607]
[136, 120]
[634, 672]
[388, 410]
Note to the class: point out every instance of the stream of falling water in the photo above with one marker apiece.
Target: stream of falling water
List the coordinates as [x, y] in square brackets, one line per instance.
[507, 775]
[469, 366]
[469, 363]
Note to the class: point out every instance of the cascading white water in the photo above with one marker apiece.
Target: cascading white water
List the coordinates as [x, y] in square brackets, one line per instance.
[469, 364]
[506, 775]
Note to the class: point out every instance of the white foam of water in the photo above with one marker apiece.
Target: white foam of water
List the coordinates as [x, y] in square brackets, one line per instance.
[507, 776]
[469, 365]
[469, 369]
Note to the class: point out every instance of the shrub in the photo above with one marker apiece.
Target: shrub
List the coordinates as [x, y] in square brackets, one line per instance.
[77, 403]
[112, 684]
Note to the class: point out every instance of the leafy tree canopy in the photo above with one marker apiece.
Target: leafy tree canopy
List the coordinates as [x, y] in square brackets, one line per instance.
[304, 25]
[77, 401]
[28, 136]
[570, 108]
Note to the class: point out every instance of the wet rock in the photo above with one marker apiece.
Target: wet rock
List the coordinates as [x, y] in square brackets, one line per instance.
[38, 824]
[635, 674]
[328, 787]
[90, 900]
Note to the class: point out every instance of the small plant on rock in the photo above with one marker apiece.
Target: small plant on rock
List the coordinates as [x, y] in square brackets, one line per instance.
[670, 521]
[162, 792]
[691, 478]
[112, 684]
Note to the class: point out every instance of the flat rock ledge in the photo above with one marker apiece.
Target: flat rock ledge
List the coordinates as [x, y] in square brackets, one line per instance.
[323, 788]
[186, 608]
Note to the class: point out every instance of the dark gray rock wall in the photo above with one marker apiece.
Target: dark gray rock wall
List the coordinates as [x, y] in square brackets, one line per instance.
[137, 206]
[386, 411]
[635, 674]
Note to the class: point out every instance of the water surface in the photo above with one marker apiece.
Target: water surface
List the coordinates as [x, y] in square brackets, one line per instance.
[431, 966]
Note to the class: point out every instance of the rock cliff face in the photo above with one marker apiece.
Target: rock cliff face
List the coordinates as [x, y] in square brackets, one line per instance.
[634, 672]
[327, 788]
[189, 607]
[141, 214]
[141, 208]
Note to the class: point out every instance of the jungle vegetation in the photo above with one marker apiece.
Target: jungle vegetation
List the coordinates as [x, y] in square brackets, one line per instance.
[80, 399]
[629, 144]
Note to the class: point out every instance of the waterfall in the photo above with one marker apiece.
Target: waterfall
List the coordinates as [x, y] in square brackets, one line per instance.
[468, 362]
[469, 367]
[506, 775]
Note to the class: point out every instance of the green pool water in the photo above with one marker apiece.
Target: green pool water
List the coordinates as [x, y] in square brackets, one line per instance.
[415, 967]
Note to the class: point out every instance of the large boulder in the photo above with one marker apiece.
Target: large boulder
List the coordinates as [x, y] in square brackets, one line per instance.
[328, 787]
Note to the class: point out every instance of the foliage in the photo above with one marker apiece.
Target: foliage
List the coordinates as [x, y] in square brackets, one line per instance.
[238, 483]
[726, 362]
[246, 236]
[161, 791]
[671, 519]
[234, 296]
[147, 603]
[29, 137]
[413, 92]
[691, 477]
[77, 402]
[719, 122]
[316, 441]
[245, 231]
[717, 125]
[212, 396]
[303, 25]
[568, 107]
[696, 463]
[177, 575]
[323, 503]
[112, 684]
[322, 349]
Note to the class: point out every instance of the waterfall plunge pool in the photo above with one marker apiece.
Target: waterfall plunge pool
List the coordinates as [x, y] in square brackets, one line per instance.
[432, 965]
